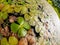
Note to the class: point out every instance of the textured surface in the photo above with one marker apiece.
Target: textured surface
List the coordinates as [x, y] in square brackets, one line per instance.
[54, 19]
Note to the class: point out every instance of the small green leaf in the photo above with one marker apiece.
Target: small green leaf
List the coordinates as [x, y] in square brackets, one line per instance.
[5, 2]
[13, 40]
[24, 10]
[4, 41]
[20, 20]
[5, 15]
[21, 2]
[26, 25]
[14, 27]
[27, 17]
[22, 32]
[5, 8]
[17, 9]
